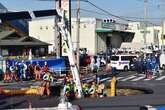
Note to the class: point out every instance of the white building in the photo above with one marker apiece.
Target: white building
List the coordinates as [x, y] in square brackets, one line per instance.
[96, 35]
[43, 29]
[153, 35]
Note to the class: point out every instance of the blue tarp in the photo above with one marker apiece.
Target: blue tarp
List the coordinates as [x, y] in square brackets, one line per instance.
[53, 64]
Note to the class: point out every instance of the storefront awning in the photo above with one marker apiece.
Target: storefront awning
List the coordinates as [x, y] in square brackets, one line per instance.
[104, 30]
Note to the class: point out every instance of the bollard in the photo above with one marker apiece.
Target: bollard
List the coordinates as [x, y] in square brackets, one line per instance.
[113, 87]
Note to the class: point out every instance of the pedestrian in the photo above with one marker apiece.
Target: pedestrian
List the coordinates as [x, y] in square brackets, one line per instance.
[92, 63]
[149, 68]
[98, 61]
[108, 66]
[157, 66]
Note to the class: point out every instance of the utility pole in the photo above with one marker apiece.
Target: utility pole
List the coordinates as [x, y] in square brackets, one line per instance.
[145, 20]
[57, 39]
[78, 34]
[162, 22]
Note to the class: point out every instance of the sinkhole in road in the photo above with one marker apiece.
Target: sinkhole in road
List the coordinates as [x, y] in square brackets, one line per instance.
[120, 91]
[128, 91]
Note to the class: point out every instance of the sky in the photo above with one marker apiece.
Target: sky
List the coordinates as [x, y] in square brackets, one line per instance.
[128, 9]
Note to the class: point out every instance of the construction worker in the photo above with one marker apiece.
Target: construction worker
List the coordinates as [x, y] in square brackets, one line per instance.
[93, 89]
[45, 86]
[6, 77]
[85, 89]
[13, 70]
[22, 70]
[67, 89]
[46, 67]
[37, 72]
[101, 88]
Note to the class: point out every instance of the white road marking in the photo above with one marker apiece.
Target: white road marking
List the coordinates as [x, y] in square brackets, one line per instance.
[118, 78]
[128, 78]
[160, 78]
[138, 78]
[105, 79]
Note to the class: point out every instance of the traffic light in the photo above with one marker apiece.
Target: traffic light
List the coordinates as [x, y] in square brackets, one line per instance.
[109, 20]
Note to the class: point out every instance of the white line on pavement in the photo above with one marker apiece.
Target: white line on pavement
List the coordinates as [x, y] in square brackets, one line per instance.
[139, 78]
[160, 78]
[117, 78]
[128, 78]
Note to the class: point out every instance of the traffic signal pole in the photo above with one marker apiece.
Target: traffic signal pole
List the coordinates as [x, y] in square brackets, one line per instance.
[145, 20]
[78, 35]
[57, 39]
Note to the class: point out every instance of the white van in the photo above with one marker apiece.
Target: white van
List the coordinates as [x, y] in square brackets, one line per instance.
[123, 61]
[162, 61]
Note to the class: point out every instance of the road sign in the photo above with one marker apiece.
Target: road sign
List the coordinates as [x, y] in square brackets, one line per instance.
[108, 25]
[144, 31]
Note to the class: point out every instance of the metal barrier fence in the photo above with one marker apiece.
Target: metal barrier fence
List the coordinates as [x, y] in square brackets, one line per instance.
[60, 71]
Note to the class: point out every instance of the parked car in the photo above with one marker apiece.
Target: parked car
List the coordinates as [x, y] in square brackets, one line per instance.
[123, 61]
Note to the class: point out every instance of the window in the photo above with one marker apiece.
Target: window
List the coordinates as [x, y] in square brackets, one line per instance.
[5, 52]
[125, 58]
[115, 58]
[41, 28]
[42, 51]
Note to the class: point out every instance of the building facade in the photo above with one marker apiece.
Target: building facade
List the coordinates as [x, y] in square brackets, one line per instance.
[43, 29]
[153, 35]
[96, 35]
[12, 44]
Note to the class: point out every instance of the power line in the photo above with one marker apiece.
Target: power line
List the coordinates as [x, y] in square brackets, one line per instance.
[91, 11]
[132, 17]
[104, 10]
[108, 12]
[135, 18]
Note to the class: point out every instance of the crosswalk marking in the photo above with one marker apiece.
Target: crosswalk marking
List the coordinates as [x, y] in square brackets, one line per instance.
[105, 79]
[118, 78]
[138, 78]
[160, 78]
[128, 78]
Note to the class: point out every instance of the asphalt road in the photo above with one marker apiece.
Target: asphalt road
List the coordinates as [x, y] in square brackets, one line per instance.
[125, 79]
